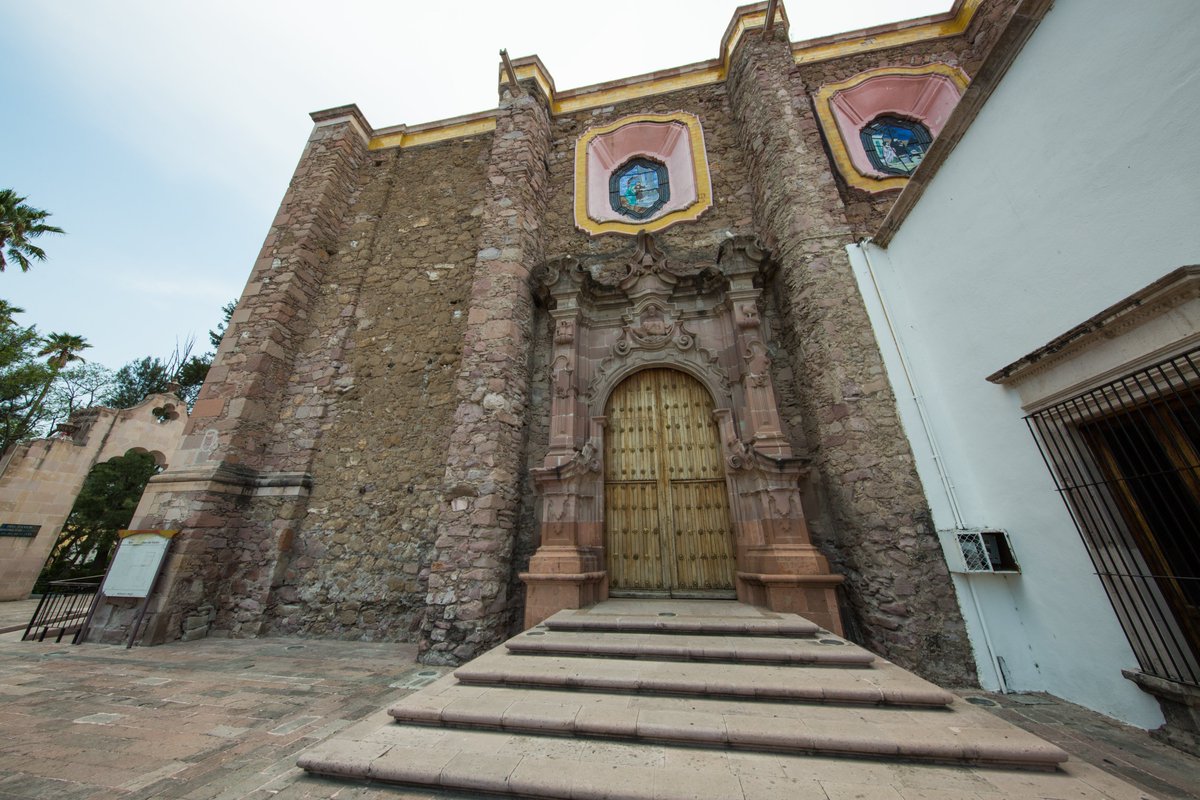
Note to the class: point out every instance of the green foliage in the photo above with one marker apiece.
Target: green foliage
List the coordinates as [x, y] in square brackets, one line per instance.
[215, 336]
[182, 374]
[136, 381]
[75, 389]
[19, 224]
[105, 505]
[22, 378]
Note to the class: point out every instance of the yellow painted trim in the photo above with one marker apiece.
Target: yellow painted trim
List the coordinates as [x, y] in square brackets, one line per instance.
[833, 134]
[434, 133]
[634, 91]
[715, 73]
[757, 19]
[162, 533]
[699, 165]
[865, 44]
[526, 71]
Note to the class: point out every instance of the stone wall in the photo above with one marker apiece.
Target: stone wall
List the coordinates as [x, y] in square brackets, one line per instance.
[469, 608]
[393, 310]
[240, 482]
[898, 587]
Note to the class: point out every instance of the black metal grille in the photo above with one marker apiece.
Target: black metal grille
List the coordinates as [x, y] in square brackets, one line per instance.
[63, 609]
[1126, 459]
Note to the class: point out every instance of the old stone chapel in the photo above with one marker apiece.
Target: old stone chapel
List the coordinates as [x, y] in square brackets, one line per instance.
[596, 342]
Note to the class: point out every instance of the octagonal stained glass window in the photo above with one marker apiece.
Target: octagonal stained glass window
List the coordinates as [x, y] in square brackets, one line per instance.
[894, 145]
[639, 188]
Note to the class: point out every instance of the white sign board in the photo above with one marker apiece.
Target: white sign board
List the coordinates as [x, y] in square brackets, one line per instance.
[133, 571]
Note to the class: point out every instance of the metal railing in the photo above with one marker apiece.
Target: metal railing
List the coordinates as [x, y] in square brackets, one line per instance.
[1126, 460]
[63, 608]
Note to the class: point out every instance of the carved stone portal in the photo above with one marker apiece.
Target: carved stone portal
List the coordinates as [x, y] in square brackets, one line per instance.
[618, 317]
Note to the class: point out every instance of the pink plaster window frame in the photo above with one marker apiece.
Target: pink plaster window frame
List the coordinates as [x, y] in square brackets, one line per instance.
[665, 142]
[927, 98]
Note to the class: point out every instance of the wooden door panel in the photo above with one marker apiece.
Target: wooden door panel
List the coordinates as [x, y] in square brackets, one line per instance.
[704, 557]
[631, 513]
[666, 504]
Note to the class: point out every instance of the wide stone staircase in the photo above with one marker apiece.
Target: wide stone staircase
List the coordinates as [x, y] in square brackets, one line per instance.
[685, 699]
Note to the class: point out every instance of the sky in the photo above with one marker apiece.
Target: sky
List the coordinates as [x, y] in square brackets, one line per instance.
[162, 134]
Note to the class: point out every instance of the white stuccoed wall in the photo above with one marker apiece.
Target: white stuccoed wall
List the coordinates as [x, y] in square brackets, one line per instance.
[1075, 186]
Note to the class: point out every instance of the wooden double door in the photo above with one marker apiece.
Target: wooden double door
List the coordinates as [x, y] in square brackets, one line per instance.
[666, 506]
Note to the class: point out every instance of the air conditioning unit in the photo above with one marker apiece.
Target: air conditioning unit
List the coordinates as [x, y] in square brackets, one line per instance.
[974, 550]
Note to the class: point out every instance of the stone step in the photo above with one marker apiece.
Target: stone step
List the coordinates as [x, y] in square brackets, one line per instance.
[827, 650]
[500, 763]
[883, 683]
[765, 624]
[968, 736]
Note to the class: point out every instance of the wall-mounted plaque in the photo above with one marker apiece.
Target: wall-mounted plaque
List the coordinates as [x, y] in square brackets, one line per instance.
[133, 571]
[23, 531]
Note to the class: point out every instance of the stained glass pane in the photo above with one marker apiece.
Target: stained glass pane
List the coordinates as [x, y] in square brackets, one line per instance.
[895, 146]
[639, 188]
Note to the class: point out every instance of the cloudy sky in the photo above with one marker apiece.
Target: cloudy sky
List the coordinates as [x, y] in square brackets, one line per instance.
[162, 134]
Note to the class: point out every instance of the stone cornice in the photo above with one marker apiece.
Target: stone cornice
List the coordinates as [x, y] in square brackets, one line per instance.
[894, 34]
[348, 114]
[702, 73]
[1167, 292]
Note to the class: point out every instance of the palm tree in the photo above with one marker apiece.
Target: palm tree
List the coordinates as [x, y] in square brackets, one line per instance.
[19, 224]
[7, 311]
[61, 349]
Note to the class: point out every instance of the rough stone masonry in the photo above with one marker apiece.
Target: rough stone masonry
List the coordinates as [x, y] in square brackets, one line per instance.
[358, 463]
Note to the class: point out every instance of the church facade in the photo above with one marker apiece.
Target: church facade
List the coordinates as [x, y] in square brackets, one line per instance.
[596, 342]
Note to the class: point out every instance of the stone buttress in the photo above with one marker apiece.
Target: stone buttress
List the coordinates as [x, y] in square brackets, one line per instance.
[469, 576]
[885, 545]
[233, 496]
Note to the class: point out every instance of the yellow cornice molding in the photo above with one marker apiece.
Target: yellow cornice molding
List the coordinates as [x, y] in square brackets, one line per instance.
[953, 23]
[430, 132]
[699, 166]
[703, 73]
[833, 134]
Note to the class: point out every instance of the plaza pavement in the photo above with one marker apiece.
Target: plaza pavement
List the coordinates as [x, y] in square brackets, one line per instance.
[222, 719]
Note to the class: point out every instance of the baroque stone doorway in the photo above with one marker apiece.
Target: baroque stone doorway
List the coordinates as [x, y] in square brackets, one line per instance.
[617, 326]
[666, 504]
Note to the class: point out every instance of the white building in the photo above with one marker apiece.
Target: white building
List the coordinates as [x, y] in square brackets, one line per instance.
[1041, 244]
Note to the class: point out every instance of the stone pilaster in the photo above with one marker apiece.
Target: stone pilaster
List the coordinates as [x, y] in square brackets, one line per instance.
[897, 582]
[469, 577]
[234, 498]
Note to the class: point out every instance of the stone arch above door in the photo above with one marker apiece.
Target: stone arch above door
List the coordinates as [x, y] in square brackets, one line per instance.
[699, 315]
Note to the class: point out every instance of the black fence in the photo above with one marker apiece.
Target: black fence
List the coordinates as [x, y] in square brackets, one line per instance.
[63, 609]
[1126, 460]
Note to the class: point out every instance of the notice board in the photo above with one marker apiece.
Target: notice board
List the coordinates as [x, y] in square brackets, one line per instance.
[133, 571]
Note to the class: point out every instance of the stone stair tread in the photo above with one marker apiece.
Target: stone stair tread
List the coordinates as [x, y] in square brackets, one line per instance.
[883, 683]
[502, 763]
[481, 762]
[691, 647]
[969, 735]
[766, 624]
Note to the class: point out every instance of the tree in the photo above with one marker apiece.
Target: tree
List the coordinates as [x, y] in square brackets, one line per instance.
[217, 335]
[74, 389]
[22, 377]
[19, 224]
[181, 373]
[61, 349]
[105, 505]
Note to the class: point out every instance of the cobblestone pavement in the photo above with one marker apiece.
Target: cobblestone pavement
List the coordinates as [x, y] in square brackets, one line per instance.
[223, 719]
